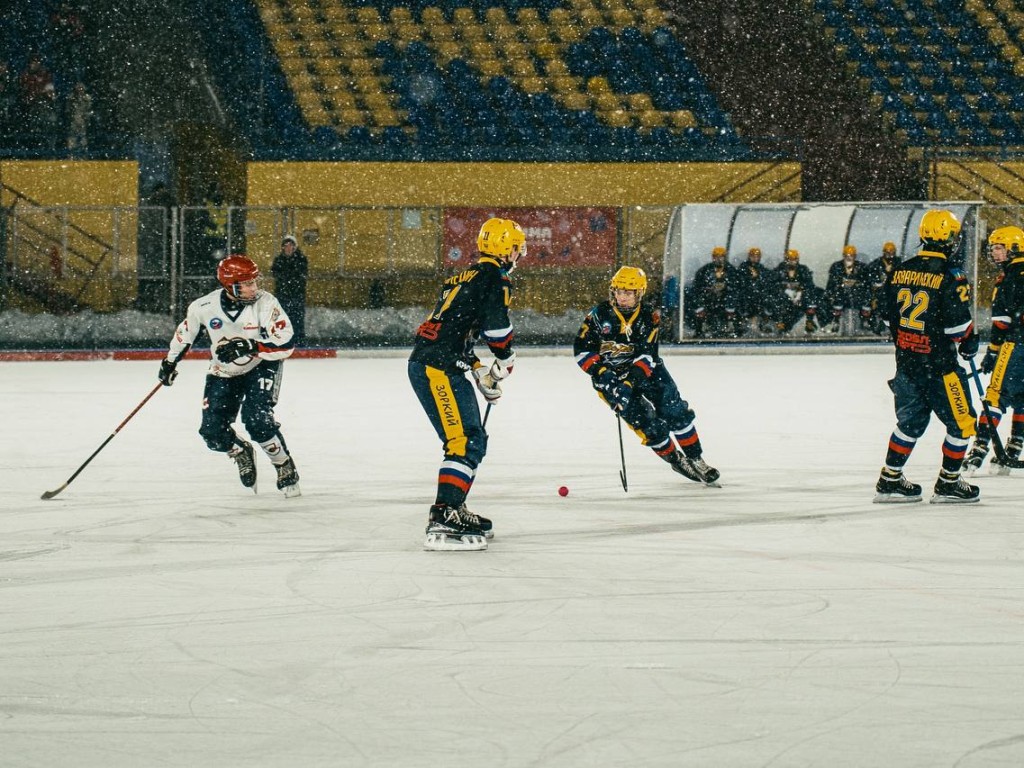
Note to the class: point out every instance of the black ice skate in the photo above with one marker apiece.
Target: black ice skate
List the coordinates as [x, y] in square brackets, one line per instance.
[697, 469]
[449, 530]
[245, 458]
[952, 489]
[975, 458]
[481, 522]
[1013, 449]
[893, 488]
[288, 479]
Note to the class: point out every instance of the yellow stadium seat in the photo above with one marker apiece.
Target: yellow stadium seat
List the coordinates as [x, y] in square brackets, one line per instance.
[528, 15]
[682, 118]
[377, 101]
[471, 33]
[337, 14]
[400, 15]
[462, 16]
[385, 117]
[286, 46]
[534, 32]
[367, 84]
[639, 102]
[607, 102]
[495, 16]
[566, 83]
[598, 85]
[481, 50]
[320, 48]
[654, 17]
[376, 32]
[556, 68]
[490, 67]
[650, 118]
[277, 30]
[343, 32]
[360, 67]
[449, 50]
[367, 14]
[504, 32]
[590, 17]
[292, 64]
[621, 17]
[531, 85]
[438, 32]
[576, 102]
[547, 50]
[432, 15]
[352, 49]
[568, 33]
[409, 32]
[522, 68]
[616, 118]
[350, 117]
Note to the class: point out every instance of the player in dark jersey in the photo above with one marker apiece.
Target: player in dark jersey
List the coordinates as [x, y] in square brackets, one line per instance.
[927, 308]
[1004, 358]
[473, 304]
[798, 295]
[617, 346]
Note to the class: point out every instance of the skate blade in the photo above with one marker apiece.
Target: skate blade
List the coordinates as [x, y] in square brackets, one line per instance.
[291, 491]
[937, 499]
[441, 542]
[998, 470]
[894, 498]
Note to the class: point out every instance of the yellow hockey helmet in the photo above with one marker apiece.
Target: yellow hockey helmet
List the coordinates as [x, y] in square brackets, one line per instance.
[717, 251]
[1012, 238]
[629, 279]
[755, 251]
[850, 250]
[495, 237]
[889, 249]
[940, 230]
[792, 255]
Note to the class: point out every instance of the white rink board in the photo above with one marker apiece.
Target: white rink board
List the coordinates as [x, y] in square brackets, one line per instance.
[158, 614]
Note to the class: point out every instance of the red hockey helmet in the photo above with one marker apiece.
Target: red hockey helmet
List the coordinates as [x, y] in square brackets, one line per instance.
[236, 269]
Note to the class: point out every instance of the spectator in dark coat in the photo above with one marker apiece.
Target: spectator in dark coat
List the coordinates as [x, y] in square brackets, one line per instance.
[290, 270]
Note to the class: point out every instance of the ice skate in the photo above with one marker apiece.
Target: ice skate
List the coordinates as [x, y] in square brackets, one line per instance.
[893, 488]
[245, 459]
[953, 489]
[1013, 449]
[697, 469]
[288, 479]
[449, 531]
[481, 522]
[975, 458]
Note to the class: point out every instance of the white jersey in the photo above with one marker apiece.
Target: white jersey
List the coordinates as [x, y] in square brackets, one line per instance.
[263, 321]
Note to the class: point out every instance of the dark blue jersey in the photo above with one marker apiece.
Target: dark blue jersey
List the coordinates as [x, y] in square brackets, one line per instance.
[626, 342]
[473, 304]
[927, 305]
[1008, 304]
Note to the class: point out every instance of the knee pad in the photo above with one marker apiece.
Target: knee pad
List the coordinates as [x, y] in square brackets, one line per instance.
[220, 439]
[260, 425]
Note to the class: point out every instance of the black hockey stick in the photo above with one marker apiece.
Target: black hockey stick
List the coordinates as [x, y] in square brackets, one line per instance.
[622, 456]
[997, 442]
[487, 412]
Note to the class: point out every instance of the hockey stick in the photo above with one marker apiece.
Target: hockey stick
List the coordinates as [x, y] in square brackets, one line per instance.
[51, 494]
[622, 456]
[487, 412]
[997, 442]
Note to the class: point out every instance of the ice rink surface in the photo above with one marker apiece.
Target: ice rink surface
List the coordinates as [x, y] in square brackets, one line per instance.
[156, 613]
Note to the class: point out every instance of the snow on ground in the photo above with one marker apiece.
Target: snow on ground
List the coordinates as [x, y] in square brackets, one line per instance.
[156, 613]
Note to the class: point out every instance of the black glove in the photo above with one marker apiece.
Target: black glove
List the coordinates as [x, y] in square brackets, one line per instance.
[621, 396]
[605, 380]
[234, 349]
[168, 372]
[969, 346]
[988, 362]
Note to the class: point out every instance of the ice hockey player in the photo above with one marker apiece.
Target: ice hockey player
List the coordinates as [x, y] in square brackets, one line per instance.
[877, 272]
[473, 304]
[848, 288]
[617, 346]
[714, 297]
[250, 336]
[927, 309]
[799, 295]
[1006, 388]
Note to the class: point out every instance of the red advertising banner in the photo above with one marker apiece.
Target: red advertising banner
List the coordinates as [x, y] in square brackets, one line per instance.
[555, 237]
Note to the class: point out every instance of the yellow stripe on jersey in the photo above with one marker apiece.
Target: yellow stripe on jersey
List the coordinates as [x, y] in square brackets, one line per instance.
[448, 410]
[960, 403]
[995, 384]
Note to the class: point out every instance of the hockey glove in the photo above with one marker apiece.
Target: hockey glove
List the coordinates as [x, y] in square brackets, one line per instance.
[500, 369]
[235, 349]
[605, 380]
[168, 372]
[485, 382]
[988, 362]
[621, 396]
[969, 346]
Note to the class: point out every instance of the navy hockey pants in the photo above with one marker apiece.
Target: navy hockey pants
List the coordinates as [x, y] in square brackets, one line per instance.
[255, 393]
[918, 396]
[451, 405]
[657, 410]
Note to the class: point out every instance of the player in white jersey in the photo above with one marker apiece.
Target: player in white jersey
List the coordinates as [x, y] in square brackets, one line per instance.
[250, 336]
